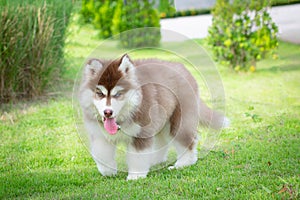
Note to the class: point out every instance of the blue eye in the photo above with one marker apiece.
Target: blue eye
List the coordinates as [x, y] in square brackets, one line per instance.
[118, 94]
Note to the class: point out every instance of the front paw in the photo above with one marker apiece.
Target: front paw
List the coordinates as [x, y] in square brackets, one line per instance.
[135, 176]
[107, 170]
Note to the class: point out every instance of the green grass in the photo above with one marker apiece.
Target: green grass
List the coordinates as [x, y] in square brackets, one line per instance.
[42, 156]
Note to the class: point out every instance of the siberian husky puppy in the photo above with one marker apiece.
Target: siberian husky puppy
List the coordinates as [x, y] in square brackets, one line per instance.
[149, 105]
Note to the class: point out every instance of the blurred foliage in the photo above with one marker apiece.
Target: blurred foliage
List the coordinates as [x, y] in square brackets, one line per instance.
[103, 18]
[183, 13]
[32, 38]
[118, 16]
[88, 10]
[284, 2]
[138, 16]
[166, 8]
[100, 14]
[242, 33]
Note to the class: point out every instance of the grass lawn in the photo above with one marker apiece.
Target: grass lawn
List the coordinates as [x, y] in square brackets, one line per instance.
[258, 157]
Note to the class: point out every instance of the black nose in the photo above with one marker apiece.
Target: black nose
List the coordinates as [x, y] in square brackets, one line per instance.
[108, 113]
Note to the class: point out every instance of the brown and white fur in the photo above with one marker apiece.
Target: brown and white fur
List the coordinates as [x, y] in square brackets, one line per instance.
[156, 103]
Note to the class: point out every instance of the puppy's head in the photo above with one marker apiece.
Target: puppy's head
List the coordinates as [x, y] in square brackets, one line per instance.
[113, 84]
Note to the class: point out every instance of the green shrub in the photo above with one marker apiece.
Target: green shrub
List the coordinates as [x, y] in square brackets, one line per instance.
[88, 10]
[116, 20]
[114, 17]
[139, 15]
[31, 46]
[103, 18]
[242, 33]
[100, 13]
[166, 8]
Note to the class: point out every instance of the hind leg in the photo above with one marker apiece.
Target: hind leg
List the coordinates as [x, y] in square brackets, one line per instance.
[184, 133]
[186, 154]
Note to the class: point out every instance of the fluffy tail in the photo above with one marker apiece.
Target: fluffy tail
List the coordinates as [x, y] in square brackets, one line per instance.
[211, 118]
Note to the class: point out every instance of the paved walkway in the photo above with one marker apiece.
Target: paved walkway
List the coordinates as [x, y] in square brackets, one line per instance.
[193, 4]
[286, 17]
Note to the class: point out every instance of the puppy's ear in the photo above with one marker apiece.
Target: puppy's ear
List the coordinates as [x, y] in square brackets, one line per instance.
[92, 67]
[126, 64]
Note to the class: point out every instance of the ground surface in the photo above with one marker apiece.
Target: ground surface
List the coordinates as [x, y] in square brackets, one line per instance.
[42, 156]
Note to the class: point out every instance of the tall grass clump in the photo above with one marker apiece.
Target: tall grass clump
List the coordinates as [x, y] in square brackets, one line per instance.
[32, 37]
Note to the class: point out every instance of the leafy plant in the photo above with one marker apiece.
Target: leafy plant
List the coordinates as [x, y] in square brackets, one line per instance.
[138, 16]
[255, 117]
[103, 18]
[242, 33]
[116, 20]
[88, 10]
[166, 8]
[117, 16]
[100, 14]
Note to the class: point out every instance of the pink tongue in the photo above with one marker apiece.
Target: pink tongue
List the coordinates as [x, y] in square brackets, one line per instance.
[111, 126]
